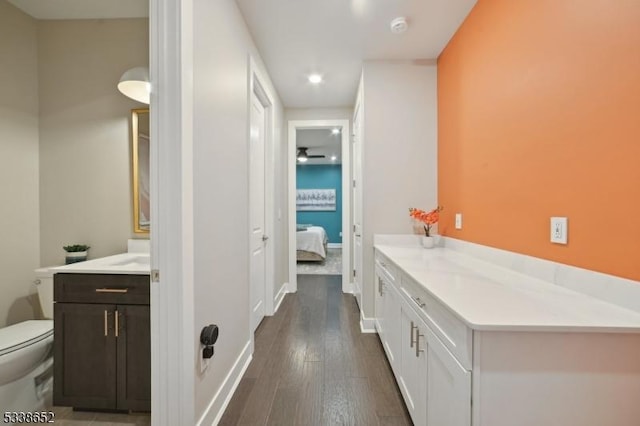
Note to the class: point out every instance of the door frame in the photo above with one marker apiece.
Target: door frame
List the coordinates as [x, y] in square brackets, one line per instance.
[173, 353]
[293, 125]
[258, 85]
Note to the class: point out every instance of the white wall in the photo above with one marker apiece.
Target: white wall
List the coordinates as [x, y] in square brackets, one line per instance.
[222, 46]
[319, 114]
[85, 142]
[399, 153]
[19, 224]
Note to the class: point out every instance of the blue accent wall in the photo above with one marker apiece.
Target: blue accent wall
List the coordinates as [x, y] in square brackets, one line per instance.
[322, 177]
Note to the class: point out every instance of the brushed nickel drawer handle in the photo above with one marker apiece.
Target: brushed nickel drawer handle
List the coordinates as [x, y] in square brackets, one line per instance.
[412, 328]
[418, 336]
[112, 290]
[117, 321]
[106, 320]
[419, 302]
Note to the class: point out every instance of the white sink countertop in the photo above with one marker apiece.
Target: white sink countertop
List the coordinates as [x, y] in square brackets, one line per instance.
[124, 263]
[490, 297]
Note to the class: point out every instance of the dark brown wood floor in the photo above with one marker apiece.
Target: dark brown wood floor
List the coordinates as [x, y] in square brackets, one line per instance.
[313, 366]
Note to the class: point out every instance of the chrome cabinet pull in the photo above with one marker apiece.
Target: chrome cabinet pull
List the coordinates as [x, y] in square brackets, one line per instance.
[112, 290]
[418, 336]
[419, 302]
[117, 322]
[106, 325]
[411, 336]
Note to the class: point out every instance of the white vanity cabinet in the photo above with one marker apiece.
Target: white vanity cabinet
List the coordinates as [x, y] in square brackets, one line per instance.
[435, 385]
[448, 394]
[473, 345]
[413, 374]
[387, 304]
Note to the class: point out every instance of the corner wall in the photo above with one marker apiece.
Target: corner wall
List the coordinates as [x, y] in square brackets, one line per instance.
[19, 210]
[222, 47]
[399, 153]
[539, 106]
[85, 142]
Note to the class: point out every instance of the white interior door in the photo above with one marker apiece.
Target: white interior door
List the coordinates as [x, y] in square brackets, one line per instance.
[257, 211]
[356, 160]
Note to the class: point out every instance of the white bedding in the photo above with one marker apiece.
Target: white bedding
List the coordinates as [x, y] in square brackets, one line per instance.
[313, 240]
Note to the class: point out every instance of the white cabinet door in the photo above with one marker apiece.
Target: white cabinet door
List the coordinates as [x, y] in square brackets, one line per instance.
[413, 369]
[392, 325]
[379, 305]
[448, 387]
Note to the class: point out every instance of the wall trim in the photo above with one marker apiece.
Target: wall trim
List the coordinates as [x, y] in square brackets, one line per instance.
[277, 301]
[293, 125]
[173, 358]
[334, 245]
[213, 414]
[350, 289]
[367, 325]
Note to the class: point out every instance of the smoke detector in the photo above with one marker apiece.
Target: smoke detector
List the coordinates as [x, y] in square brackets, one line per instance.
[399, 25]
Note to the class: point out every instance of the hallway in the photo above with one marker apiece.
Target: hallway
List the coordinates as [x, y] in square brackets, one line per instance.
[312, 366]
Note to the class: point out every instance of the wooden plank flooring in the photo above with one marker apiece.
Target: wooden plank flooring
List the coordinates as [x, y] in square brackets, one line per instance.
[313, 366]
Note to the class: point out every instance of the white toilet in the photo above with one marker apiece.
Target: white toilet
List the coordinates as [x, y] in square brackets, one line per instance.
[26, 373]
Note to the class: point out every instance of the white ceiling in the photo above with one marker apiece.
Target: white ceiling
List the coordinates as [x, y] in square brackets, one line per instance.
[320, 142]
[83, 9]
[333, 37]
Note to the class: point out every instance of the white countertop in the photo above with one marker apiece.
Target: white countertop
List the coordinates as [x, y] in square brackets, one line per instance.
[489, 297]
[125, 263]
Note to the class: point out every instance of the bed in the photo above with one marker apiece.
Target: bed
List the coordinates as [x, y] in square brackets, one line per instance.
[311, 244]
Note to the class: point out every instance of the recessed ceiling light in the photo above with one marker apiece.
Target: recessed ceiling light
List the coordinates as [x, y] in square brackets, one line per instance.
[334, 158]
[315, 79]
[335, 131]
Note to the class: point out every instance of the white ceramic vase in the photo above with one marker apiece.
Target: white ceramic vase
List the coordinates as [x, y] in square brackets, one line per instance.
[428, 242]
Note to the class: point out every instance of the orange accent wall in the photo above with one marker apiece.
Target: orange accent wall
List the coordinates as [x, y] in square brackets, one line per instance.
[539, 116]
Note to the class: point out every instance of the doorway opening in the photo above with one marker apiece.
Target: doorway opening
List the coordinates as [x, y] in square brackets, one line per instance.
[319, 200]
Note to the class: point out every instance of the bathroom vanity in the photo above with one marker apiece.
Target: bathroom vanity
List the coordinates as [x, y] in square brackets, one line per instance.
[102, 345]
[471, 343]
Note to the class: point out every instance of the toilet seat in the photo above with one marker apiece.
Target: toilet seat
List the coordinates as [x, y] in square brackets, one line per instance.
[24, 334]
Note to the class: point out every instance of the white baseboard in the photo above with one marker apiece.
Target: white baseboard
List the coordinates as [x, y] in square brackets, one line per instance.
[349, 289]
[367, 325]
[334, 245]
[280, 297]
[220, 401]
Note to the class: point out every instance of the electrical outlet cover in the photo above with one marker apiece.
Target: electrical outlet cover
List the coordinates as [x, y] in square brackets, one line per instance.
[458, 220]
[559, 230]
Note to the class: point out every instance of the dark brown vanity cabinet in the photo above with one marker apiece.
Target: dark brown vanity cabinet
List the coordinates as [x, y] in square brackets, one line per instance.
[102, 343]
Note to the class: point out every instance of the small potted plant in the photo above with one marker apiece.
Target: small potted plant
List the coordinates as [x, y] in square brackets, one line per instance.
[428, 219]
[75, 253]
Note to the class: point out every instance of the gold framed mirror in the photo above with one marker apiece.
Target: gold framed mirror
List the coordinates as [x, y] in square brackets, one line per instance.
[140, 166]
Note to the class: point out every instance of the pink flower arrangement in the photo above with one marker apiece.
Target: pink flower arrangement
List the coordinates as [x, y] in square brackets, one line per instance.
[429, 218]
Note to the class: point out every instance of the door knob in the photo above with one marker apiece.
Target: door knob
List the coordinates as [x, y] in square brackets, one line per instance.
[265, 238]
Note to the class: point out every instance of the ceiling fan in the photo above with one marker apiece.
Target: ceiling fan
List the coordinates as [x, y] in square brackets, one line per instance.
[302, 155]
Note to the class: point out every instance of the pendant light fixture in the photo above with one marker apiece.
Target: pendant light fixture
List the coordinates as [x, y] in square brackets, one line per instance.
[135, 84]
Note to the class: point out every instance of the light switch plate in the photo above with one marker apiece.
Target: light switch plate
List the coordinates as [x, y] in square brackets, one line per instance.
[559, 230]
[458, 220]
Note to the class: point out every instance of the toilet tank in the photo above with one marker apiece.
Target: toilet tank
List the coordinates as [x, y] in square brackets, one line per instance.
[44, 285]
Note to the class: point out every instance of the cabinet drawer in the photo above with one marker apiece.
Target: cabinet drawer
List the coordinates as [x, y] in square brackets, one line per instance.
[454, 333]
[386, 268]
[101, 288]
